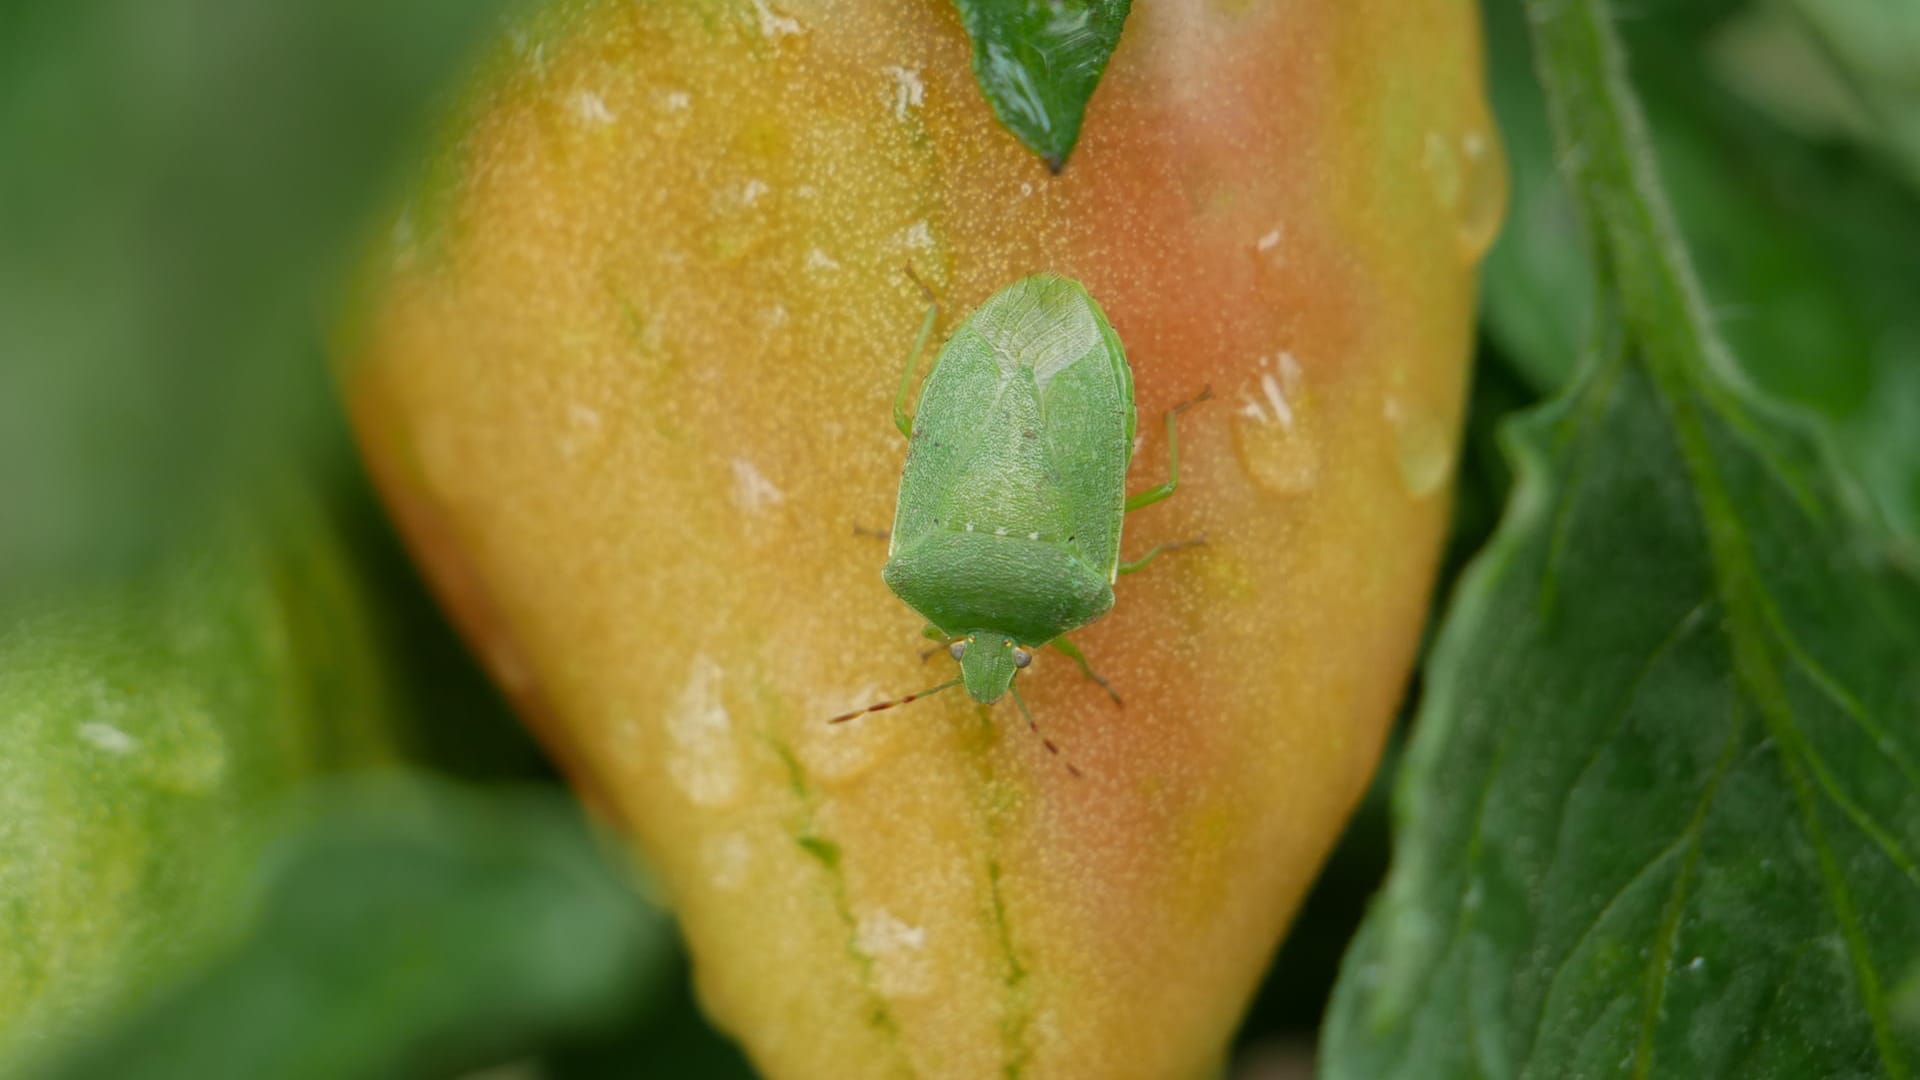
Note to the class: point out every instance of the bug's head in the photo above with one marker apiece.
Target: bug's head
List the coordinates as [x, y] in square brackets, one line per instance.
[988, 663]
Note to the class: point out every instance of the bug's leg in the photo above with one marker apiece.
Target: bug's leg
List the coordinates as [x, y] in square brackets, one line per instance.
[1035, 728]
[939, 637]
[1072, 652]
[900, 418]
[1155, 494]
[1157, 551]
[876, 534]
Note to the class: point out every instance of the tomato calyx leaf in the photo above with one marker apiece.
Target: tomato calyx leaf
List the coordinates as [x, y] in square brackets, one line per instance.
[1038, 64]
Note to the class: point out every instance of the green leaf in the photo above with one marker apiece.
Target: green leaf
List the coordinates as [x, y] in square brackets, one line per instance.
[183, 187]
[1038, 63]
[413, 930]
[1661, 812]
[1805, 249]
[1876, 45]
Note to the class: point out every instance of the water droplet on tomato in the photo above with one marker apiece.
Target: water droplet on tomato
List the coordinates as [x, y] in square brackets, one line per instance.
[702, 758]
[1274, 427]
[1440, 160]
[1483, 193]
[898, 949]
[728, 860]
[1423, 445]
[1468, 176]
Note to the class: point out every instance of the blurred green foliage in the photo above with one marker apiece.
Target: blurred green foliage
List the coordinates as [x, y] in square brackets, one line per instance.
[1806, 249]
[1874, 49]
[411, 929]
[183, 185]
[148, 727]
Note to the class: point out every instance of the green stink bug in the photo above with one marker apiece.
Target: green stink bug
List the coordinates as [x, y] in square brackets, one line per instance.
[1007, 530]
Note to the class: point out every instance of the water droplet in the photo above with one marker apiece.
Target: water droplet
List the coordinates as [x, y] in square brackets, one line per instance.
[1423, 446]
[901, 967]
[1274, 428]
[728, 860]
[403, 241]
[582, 432]
[701, 756]
[1483, 193]
[908, 91]
[821, 261]
[592, 109]
[1441, 162]
[775, 24]
[752, 491]
[1269, 246]
[109, 738]
[919, 235]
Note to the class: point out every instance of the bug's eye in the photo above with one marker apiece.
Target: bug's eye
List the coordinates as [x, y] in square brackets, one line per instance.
[958, 649]
[1021, 658]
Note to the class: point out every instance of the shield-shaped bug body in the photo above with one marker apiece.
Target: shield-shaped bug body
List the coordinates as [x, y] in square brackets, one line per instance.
[1007, 530]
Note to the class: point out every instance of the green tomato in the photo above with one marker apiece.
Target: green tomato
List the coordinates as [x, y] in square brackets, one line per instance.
[149, 728]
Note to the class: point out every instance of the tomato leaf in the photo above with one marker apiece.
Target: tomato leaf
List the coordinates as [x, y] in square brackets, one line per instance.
[1877, 49]
[1805, 248]
[1661, 811]
[1038, 64]
[414, 929]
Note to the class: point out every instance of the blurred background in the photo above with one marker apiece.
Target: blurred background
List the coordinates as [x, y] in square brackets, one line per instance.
[260, 815]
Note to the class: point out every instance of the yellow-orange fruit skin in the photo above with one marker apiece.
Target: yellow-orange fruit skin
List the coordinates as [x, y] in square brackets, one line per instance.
[625, 380]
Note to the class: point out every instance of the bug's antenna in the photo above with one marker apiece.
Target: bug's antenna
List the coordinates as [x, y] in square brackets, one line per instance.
[929, 692]
[1044, 741]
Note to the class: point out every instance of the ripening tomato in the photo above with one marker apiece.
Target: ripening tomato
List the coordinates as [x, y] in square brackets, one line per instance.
[625, 377]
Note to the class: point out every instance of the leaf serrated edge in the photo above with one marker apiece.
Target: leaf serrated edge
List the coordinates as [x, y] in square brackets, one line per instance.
[1691, 370]
[1582, 69]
